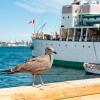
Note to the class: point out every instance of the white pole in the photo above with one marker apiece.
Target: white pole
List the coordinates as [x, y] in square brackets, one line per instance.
[68, 34]
[74, 34]
[86, 34]
[81, 34]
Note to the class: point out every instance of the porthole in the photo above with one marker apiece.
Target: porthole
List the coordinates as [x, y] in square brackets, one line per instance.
[83, 46]
[65, 45]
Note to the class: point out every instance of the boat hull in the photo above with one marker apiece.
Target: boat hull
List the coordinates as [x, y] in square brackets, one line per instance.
[92, 68]
[69, 53]
[68, 64]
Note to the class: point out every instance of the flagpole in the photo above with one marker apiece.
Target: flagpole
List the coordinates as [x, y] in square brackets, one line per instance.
[34, 27]
[33, 22]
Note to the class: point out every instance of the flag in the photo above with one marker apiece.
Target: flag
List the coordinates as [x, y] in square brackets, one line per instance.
[31, 21]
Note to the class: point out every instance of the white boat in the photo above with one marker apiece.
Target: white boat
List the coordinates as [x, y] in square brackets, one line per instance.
[92, 68]
[79, 36]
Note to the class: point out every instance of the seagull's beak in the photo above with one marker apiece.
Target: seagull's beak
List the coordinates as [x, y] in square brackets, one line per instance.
[54, 52]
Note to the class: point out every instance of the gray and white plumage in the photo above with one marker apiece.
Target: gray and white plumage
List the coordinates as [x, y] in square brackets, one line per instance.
[35, 66]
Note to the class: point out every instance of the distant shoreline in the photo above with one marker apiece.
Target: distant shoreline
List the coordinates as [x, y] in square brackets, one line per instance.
[14, 46]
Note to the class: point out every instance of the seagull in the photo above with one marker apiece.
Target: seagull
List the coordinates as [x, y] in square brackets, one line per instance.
[35, 66]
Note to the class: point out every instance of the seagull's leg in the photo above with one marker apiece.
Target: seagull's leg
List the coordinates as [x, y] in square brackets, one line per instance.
[42, 84]
[41, 80]
[33, 81]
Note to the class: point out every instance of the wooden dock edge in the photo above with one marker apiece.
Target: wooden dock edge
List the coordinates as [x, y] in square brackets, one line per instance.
[88, 89]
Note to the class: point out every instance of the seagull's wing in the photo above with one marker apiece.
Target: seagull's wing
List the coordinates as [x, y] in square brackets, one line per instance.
[34, 66]
[36, 58]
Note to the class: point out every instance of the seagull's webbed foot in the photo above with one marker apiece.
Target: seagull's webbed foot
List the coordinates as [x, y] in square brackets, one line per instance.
[33, 85]
[42, 83]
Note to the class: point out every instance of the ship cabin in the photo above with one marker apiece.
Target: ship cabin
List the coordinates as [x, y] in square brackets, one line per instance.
[81, 21]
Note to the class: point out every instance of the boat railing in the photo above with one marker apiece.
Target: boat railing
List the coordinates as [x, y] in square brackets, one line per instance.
[80, 34]
[76, 38]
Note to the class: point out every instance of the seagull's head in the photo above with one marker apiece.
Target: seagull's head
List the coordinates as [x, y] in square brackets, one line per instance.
[50, 50]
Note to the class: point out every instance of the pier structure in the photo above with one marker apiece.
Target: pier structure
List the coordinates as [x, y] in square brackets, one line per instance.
[88, 89]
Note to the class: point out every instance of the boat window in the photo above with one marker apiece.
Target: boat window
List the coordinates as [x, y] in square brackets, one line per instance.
[83, 34]
[64, 34]
[89, 36]
[77, 34]
[93, 35]
[71, 34]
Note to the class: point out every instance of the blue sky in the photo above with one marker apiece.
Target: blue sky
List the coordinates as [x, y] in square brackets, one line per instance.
[15, 15]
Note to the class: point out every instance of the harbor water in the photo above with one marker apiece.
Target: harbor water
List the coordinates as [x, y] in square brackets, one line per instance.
[10, 56]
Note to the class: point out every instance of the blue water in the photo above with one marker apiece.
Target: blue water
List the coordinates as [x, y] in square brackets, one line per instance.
[10, 56]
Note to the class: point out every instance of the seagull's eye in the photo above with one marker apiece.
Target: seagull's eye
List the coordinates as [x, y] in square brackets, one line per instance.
[49, 49]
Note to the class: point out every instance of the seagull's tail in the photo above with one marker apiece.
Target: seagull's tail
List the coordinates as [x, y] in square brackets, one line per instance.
[7, 71]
